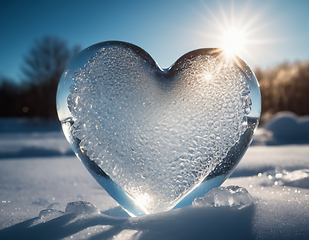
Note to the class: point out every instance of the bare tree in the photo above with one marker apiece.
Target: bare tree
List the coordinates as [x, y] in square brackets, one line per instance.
[42, 70]
[285, 88]
[47, 59]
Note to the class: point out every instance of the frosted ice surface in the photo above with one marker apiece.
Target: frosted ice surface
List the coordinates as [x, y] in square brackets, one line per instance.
[157, 138]
[232, 196]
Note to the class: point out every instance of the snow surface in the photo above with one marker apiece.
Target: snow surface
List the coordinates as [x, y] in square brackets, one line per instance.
[32, 138]
[46, 193]
[288, 128]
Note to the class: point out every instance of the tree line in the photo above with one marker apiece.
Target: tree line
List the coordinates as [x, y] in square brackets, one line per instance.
[35, 95]
[283, 88]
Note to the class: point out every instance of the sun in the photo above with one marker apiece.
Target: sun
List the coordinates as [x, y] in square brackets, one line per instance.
[233, 41]
[236, 29]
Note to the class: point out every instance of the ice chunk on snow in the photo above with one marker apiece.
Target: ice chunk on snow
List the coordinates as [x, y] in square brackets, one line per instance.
[232, 196]
[81, 207]
[49, 214]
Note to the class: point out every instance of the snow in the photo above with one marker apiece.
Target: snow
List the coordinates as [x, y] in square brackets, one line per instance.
[48, 194]
[32, 138]
[287, 128]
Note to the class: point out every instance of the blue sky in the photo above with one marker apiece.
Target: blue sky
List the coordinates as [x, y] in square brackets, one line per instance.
[276, 31]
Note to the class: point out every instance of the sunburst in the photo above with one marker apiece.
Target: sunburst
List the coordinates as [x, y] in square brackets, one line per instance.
[237, 31]
[233, 41]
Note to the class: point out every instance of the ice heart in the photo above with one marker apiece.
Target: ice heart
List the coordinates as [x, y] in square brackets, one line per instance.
[156, 139]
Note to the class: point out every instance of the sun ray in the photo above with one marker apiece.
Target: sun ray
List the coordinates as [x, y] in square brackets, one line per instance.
[238, 30]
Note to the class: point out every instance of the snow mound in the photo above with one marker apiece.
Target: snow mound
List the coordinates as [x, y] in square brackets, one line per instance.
[231, 196]
[287, 126]
[262, 137]
[298, 178]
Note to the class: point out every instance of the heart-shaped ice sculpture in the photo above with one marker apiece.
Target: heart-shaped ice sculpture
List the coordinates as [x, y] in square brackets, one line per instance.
[156, 139]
